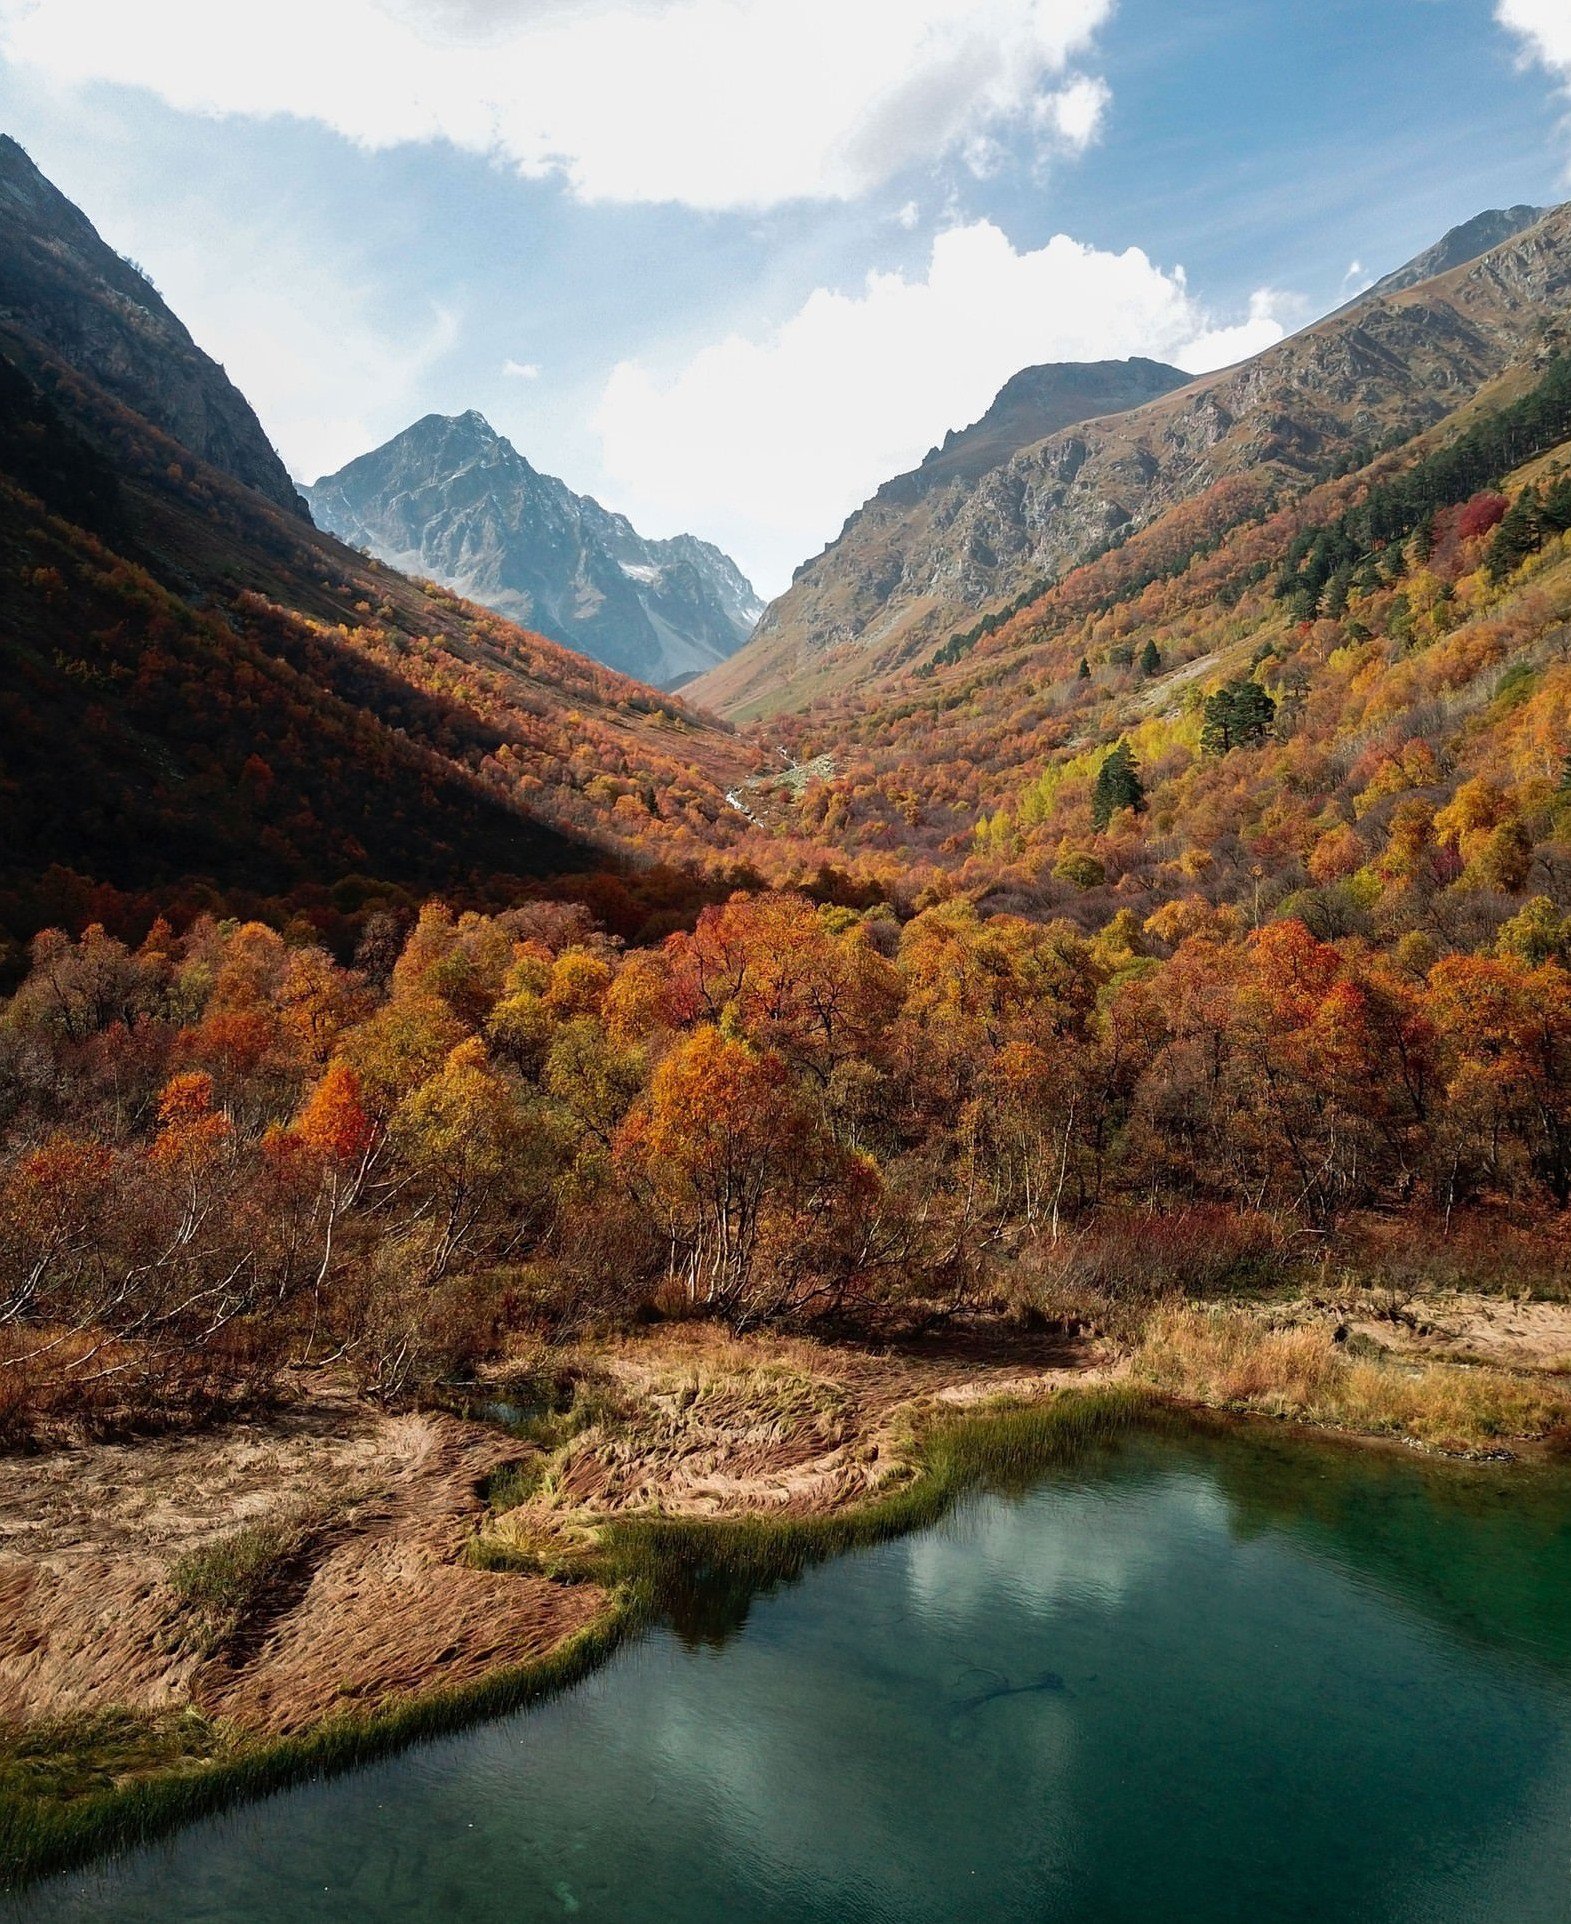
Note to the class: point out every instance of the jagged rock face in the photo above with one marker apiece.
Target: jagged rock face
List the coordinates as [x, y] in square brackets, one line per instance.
[902, 577]
[61, 283]
[450, 499]
[1461, 245]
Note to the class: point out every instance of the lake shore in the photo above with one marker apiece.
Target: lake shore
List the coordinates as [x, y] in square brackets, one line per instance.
[190, 1619]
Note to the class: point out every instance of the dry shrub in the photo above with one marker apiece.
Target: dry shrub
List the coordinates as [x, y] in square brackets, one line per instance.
[1112, 1269]
[1237, 1359]
[20, 1391]
[56, 1384]
[603, 1264]
[1482, 1251]
[403, 1333]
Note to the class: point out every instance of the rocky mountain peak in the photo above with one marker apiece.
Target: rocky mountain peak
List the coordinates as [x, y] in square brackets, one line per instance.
[1032, 404]
[451, 499]
[931, 552]
[63, 285]
[1459, 245]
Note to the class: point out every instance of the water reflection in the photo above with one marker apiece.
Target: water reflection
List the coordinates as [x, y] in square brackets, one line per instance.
[1205, 1679]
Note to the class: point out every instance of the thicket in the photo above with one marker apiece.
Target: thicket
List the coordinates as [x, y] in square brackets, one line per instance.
[225, 1154]
[1322, 563]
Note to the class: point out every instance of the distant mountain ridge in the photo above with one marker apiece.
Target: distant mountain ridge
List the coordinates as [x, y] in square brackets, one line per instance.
[902, 577]
[1457, 247]
[63, 285]
[453, 500]
[1037, 401]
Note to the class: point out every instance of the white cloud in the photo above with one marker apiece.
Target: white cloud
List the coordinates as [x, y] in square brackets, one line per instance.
[1076, 111]
[767, 443]
[1545, 27]
[521, 370]
[1271, 314]
[716, 103]
[313, 350]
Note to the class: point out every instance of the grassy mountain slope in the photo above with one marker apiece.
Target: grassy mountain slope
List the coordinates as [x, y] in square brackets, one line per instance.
[869, 611]
[1407, 626]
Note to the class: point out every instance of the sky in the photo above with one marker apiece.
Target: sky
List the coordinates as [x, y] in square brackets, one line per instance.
[729, 264]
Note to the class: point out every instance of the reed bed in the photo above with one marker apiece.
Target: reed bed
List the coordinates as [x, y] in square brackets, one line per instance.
[1240, 1360]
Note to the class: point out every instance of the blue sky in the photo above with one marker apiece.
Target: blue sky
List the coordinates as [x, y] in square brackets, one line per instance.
[639, 234]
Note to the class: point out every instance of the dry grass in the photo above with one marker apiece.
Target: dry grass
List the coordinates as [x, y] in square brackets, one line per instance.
[1238, 1359]
[1109, 1271]
[697, 1422]
[704, 1430]
[223, 1586]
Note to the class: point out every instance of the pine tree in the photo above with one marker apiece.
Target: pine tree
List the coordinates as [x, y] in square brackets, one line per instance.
[1150, 659]
[1084, 670]
[1518, 535]
[1238, 715]
[1118, 785]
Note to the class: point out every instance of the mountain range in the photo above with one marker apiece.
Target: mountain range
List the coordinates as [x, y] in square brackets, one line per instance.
[210, 703]
[918, 562]
[451, 499]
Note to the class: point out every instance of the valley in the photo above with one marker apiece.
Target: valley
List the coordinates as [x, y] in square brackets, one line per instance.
[504, 1164]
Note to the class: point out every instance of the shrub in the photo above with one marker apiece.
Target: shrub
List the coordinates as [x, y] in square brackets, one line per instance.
[1083, 870]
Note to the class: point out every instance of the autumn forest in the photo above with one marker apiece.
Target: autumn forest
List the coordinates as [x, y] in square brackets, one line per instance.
[385, 982]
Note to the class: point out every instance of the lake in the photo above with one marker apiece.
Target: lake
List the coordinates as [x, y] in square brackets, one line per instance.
[1205, 1678]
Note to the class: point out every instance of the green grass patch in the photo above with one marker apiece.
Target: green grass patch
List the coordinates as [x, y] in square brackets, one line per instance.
[225, 1587]
[138, 1787]
[74, 1757]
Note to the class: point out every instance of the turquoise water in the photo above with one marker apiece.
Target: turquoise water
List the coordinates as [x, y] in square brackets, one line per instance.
[1208, 1679]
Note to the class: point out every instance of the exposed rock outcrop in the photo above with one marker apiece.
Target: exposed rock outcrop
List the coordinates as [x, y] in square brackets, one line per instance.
[63, 285]
[452, 500]
[905, 573]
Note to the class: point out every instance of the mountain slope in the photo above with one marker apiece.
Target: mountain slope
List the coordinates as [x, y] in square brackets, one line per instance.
[1392, 365]
[1029, 406]
[62, 285]
[208, 703]
[1458, 246]
[449, 498]
[1395, 640]
[879, 562]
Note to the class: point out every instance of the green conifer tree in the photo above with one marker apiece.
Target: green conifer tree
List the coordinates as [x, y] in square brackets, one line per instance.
[1239, 715]
[1118, 785]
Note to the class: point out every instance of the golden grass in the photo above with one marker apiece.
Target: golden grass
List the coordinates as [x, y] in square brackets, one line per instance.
[1235, 1358]
[720, 1419]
